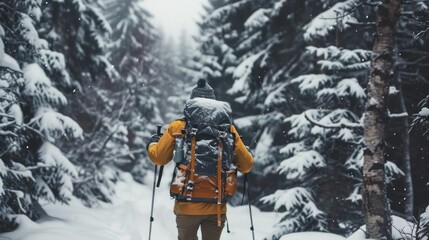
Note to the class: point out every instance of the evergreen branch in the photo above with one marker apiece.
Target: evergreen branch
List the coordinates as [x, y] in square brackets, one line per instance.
[415, 52]
[411, 63]
[8, 133]
[7, 124]
[35, 130]
[84, 180]
[362, 23]
[338, 125]
[346, 13]
[7, 150]
[10, 70]
[17, 194]
[421, 33]
[35, 167]
[6, 115]
[121, 111]
[340, 16]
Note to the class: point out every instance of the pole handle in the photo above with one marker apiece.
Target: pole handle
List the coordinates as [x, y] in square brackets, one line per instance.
[161, 169]
[158, 130]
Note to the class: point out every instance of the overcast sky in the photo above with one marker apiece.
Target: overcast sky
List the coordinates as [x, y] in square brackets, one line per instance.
[173, 16]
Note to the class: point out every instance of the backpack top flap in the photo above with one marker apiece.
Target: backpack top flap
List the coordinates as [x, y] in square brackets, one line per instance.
[208, 112]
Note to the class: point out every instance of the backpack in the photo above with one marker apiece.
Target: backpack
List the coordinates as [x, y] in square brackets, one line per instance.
[205, 171]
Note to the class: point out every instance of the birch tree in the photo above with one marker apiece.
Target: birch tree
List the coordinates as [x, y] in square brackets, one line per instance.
[375, 204]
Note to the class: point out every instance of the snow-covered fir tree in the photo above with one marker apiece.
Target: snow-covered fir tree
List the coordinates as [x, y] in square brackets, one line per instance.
[133, 38]
[297, 79]
[79, 29]
[34, 168]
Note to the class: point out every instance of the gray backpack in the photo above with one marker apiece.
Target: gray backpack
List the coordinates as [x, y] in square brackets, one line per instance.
[205, 171]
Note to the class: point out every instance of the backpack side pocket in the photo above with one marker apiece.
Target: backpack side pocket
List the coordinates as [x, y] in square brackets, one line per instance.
[231, 182]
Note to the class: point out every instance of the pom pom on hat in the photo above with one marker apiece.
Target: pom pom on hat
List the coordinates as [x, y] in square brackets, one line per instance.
[203, 90]
[201, 83]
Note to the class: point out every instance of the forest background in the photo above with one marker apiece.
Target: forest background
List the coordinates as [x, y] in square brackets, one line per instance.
[84, 83]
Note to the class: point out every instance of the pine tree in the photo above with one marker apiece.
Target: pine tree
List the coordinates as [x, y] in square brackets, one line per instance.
[33, 166]
[132, 52]
[302, 74]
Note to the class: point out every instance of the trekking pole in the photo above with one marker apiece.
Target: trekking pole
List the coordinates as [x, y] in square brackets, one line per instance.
[158, 132]
[161, 169]
[153, 201]
[250, 210]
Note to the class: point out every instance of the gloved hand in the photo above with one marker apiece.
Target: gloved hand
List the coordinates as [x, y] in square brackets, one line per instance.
[154, 139]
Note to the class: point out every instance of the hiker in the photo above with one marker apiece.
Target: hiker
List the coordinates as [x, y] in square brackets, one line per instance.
[208, 151]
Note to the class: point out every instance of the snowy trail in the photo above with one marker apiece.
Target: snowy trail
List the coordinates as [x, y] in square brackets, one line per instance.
[128, 218]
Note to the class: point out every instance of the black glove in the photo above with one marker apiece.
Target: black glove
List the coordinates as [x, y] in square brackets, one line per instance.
[154, 139]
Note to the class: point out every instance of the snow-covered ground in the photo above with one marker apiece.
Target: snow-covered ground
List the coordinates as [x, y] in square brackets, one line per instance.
[128, 218]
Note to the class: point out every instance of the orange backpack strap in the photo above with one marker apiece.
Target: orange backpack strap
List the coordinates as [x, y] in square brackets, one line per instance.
[190, 185]
[219, 178]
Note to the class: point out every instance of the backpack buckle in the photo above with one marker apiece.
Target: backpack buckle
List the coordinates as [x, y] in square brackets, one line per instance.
[194, 131]
[222, 135]
[190, 186]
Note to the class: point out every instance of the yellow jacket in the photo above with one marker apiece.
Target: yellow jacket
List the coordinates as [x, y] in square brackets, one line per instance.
[162, 152]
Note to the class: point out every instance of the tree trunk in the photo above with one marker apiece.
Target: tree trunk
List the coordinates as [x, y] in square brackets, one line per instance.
[375, 204]
[405, 161]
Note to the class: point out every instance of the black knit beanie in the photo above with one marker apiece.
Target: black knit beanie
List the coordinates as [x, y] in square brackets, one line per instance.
[203, 90]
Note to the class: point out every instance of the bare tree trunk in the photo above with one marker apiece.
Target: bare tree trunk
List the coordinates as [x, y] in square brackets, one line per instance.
[375, 204]
[405, 161]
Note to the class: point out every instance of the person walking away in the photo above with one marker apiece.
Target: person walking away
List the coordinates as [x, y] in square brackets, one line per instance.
[208, 151]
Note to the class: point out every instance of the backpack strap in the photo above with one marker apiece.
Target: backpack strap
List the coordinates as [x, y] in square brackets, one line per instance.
[190, 185]
[219, 178]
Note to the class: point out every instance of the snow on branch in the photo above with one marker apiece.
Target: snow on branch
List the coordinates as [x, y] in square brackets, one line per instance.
[424, 112]
[44, 190]
[299, 165]
[392, 171]
[299, 126]
[19, 171]
[9, 63]
[29, 32]
[294, 148]
[241, 74]
[39, 88]
[223, 13]
[250, 42]
[53, 124]
[277, 96]
[288, 201]
[337, 16]
[257, 20]
[310, 83]
[398, 115]
[19, 195]
[355, 161]
[50, 155]
[341, 124]
[54, 62]
[325, 53]
[289, 198]
[393, 90]
[355, 196]
[350, 87]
